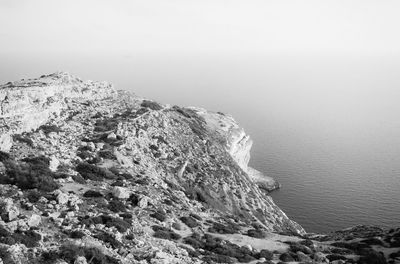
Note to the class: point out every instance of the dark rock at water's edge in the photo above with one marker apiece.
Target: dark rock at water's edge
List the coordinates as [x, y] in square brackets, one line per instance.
[89, 174]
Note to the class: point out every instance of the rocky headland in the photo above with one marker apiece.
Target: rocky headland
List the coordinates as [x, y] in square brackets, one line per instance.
[91, 174]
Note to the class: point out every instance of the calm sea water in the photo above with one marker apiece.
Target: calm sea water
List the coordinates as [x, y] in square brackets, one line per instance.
[327, 128]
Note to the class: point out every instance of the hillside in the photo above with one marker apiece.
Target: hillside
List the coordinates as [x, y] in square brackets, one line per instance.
[90, 174]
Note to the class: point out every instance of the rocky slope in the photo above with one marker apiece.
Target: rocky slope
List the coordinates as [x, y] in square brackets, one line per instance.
[89, 174]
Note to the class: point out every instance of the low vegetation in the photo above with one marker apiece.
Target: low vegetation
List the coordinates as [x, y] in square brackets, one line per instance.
[29, 173]
[93, 172]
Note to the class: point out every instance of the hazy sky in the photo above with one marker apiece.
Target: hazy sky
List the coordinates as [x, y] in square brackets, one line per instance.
[130, 27]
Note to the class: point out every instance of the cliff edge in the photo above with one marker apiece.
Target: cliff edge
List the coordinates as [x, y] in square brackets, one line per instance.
[90, 174]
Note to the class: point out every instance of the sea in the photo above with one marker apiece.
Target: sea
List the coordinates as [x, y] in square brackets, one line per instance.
[326, 126]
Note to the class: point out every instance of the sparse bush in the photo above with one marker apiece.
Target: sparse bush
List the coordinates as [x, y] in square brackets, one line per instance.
[194, 242]
[4, 156]
[92, 194]
[76, 234]
[116, 206]
[93, 172]
[79, 179]
[133, 199]
[49, 128]
[256, 233]
[106, 154]
[189, 221]
[106, 125]
[126, 215]
[160, 216]
[165, 233]
[110, 239]
[69, 252]
[221, 251]
[23, 139]
[29, 238]
[34, 173]
[117, 183]
[268, 255]
[121, 225]
[216, 258]
[228, 228]
[33, 196]
[151, 105]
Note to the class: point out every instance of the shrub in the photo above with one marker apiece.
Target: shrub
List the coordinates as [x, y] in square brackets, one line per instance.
[49, 128]
[229, 228]
[79, 179]
[126, 215]
[151, 105]
[29, 238]
[35, 173]
[23, 139]
[92, 194]
[195, 243]
[76, 234]
[268, 255]
[69, 252]
[133, 199]
[106, 125]
[116, 206]
[160, 216]
[106, 154]
[256, 233]
[121, 225]
[215, 258]
[117, 183]
[110, 239]
[4, 156]
[219, 250]
[165, 233]
[33, 196]
[93, 172]
[189, 221]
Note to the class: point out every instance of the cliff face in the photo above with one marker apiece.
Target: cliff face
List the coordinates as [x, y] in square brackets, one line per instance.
[91, 174]
[238, 144]
[27, 104]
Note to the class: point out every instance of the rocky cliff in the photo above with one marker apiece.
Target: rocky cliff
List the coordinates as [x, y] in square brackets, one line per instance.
[89, 174]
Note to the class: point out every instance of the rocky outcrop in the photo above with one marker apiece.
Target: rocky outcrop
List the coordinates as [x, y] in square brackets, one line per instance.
[27, 104]
[238, 144]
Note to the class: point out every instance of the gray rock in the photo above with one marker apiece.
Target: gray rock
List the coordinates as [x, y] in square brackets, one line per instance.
[121, 192]
[34, 220]
[8, 210]
[80, 260]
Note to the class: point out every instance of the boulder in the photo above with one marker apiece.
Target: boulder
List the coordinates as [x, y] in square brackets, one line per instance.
[62, 198]
[143, 202]
[121, 192]
[34, 220]
[54, 163]
[80, 260]
[8, 210]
